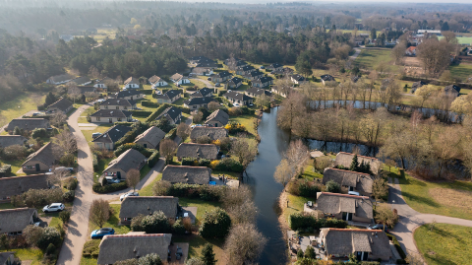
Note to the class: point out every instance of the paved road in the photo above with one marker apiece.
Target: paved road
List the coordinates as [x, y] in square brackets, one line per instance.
[354, 56]
[411, 219]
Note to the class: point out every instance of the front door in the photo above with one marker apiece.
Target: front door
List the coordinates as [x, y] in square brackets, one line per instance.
[118, 175]
[38, 168]
[110, 120]
[216, 124]
[351, 188]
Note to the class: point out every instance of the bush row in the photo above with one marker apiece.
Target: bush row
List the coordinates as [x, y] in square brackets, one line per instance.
[154, 158]
[146, 92]
[300, 221]
[171, 134]
[184, 109]
[397, 245]
[157, 112]
[227, 164]
[141, 113]
[149, 104]
[190, 161]
[129, 137]
[303, 188]
[159, 223]
[98, 188]
[204, 192]
[39, 198]
[123, 148]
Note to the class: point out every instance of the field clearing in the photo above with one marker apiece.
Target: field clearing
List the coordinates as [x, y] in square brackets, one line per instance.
[462, 71]
[462, 40]
[20, 105]
[375, 58]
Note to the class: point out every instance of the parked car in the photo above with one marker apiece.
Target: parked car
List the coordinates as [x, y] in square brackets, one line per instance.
[95, 135]
[179, 253]
[217, 85]
[37, 114]
[54, 207]
[70, 169]
[131, 193]
[354, 193]
[112, 180]
[100, 233]
[379, 226]
[209, 78]
[101, 100]
[236, 104]
[262, 67]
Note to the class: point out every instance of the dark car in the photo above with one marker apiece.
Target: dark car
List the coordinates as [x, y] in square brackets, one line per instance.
[209, 78]
[179, 253]
[100, 233]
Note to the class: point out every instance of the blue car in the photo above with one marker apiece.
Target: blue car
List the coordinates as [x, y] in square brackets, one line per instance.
[100, 233]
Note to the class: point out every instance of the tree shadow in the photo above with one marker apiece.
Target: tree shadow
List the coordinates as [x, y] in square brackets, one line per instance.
[440, 259]
[420, 199]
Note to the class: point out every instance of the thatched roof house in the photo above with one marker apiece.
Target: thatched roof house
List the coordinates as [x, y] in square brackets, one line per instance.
[345, 160]
[62, 104]
[187, 174]
[120, 166]
[212, 132]
[7, 258]
[41, 160]
[205, 151]
[218, 118]
[108, 139]
[150, 138]
[9, 140]
[114, 248]
[12, 186]
[347, 207]
[28, 124]
[360, 182]
[368, 244]
[146, 205]
[13, 221]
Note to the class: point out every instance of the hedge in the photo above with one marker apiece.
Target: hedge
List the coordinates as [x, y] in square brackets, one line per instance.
[157, 112]
[145, 151]
[141, 113]
[228, 164]
[47, 117]
[5, 171]
[204, 192]
[95, 162]
[146, 92]
[191, 161]
[184, 109]
[124, 123]
[171, 135]
[153, 159]
[98, 188]
[149, 104]
[129, 137]
[300, 221]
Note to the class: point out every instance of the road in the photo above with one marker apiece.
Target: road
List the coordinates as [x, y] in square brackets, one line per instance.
[354, 56]
[410, 219]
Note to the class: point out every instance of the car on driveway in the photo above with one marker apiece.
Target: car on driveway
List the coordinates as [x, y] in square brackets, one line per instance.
[95, 135]
[54, 207]
[378, 226]
[132, 193]
[179, 253]
[111, 180]
[100, 233]
[69, 169]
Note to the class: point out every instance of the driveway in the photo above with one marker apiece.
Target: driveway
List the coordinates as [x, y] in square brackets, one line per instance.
[207, 83]
[354, 56]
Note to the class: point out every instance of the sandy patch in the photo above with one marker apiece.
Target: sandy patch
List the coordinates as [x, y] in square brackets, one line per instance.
[453, 198]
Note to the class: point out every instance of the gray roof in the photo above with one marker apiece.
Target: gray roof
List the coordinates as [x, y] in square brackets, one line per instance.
[9, 140]
[85, 89]
[253, 74]
[14, 220]
[114, 248]
[172, 112]
[335, 203]
[246, 68]
[327, 77]
[263, 80]
[345, 160]
[118, 102]
[146, 205]
[223, 74]
[127, 93]
[347, 241]
[282, 71]
[10, 186]
[81, 80]
[4, 256]
[206, 151]
[152, 135]
[113, 134]
[103, 80]
[258, 91]
[28, 124]
[186, 174]
[199, 101]
[298, 77]
[62, 104]
[131, 158]
[235, 80]
[131, 80]
[44, 155]
[452, 90]
[202, 92]
[218, 115]
[115, 113]
[275, 66]
[416, 85]
[169, 94]
[360, 181]
[211, 64]
[237, 95]
[212, 132]
[61, 78]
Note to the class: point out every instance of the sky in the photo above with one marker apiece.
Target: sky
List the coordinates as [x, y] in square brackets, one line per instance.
[334, 1]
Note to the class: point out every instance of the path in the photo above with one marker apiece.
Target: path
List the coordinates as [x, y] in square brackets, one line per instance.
[410, 219]
[207, 83]
[354, 56]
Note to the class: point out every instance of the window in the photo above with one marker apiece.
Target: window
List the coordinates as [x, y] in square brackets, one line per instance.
[97, 118]
[117, 107]
[119, 119]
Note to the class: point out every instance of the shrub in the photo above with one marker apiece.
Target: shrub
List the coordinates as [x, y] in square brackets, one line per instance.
[37, 198]
[136, 223]
[14, 152]
[228, 164]
[235, 127]
[188, 161]
[333, 186]
[153, 159]
[203, 140]
[303, 188]
[162, 188]
[32, 234]
[5, 171]
[301, 221]
[150, 259]
[98, 188]
[141, 113]
[157, 112]
[156, 223]
[39, 133]
[215, 224]
[71, 183]
[50, 236]
[178, 227]
[125, 147]
[310, 253]
[91, 248]
[300, 254]
[149, 104]
[68, 196]
[64, 216]
[171, 134]
[224, 143]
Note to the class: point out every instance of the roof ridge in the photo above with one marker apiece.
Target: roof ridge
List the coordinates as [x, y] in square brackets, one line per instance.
[344, 195]
[16, 209]
[138, 235]
[26, 176]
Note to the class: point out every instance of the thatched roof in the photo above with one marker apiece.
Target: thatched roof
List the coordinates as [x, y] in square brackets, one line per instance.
[147, 205]
[218, 115]
[28, 124]
[81, 80]
[360, 181]
[9, 140]
[335, 203]
[87, 89]
[61, 78]
[113, 134]
[347, 241]
[11, 186]
[205, 151]
[345, 160]
[258, 92]
[62, 105]
[131, 158]
[199, 101]
[186, 174]
[452, 90]
[177, 77]
[154, 79]
[14, 220]
[131, 80]
[44, 155]
[152, 135]
[235, 95]
[212, 132]
[114, 248]
[4, 256]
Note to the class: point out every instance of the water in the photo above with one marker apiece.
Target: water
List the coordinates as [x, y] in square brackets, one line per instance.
[335, 147]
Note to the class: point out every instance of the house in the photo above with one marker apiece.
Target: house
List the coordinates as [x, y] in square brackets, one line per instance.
[218, 118]
[257, 92]
[202, 71]
[198, 151]
[410, 51]
[365, 243]
[345, 159]
[169, 97]
[205, 67]
[179, 79]
[416, 85]
[297, 79]
[62, 105]
[354, 78]
[214, 133]
[221, 77]
[242, 70]
[12, 186]
[204, 92]
[60, 79]
[82, 81]
[114, 248]
[254, 75]
[235, 63]
[263, 82]
[108, 139]
[354, 181]
[131, 83]
[147, 205]
[119, 167]
[283, 71]
[345, 207]
[358, 40]
[120, 104]
[42, 160]
[196, 103]
[187, 174]
[238, 98]
[87, 89]
[9, 140]
[275, 66]
[452, 91]
[111, 116]
[8, 258]
[200, 59]
[129, 94]
[172, 114]
[156, 81]
[102, 83]
[150, 138]
[28, 124]
[283, 92]
[13, 221]
[327, 78]
[235, 83]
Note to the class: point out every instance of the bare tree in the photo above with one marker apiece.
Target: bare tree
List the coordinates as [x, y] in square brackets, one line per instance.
[65, 146]
[244, 244]
[283, 173]
[99, 212]
[58, 118]
[385, 216]
[398, 52]
[239, 204]
[183, 131]
[414, 258]
[212, 106]
[297, 155]
[243, 150]
[112, 86]
[73, 91]
[59, 176]
[167, 149]
[292, 107]
[132, 178]
[93, 71]
[198, 117]
[434, 55]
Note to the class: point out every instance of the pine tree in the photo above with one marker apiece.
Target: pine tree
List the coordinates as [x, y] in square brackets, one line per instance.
[208, 255]
[354, 165]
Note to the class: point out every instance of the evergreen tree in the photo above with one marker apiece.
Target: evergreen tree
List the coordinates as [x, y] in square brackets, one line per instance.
[17, 131]
[354, 164]
[208, 255]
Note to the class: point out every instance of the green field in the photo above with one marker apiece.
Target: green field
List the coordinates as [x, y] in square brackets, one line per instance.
[20, 105]
[375, 58]
[28, 254]
[462, 71]
[461, 40]
[444, 244]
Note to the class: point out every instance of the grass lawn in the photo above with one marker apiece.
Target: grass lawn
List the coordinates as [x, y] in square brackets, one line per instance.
[373, 58]
[20, 105]
[461, 71]
[147, 191]
[295, 205]
[309, 172]
[88, 261]
[15, 166]
[444, 244]
[83, 117]
[196, 244]
[4, 206]
[247, 121]
[113, 222]
[33, 254]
